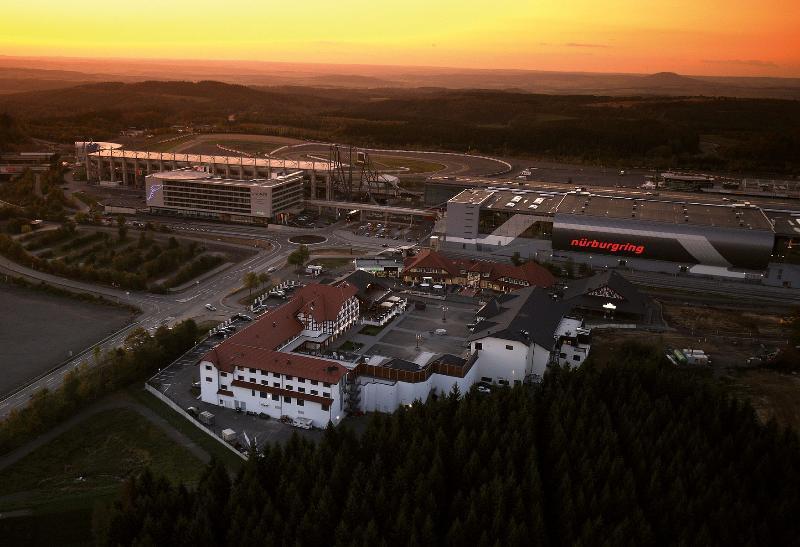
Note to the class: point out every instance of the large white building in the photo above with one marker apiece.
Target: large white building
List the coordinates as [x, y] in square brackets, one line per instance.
[519, 334]
[283, 364]
[252, 370]
[197, 193]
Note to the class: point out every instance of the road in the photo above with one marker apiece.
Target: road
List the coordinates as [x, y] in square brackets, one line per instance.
[159, 309]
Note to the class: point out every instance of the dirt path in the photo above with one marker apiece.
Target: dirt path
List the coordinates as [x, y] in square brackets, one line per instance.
[112, 402]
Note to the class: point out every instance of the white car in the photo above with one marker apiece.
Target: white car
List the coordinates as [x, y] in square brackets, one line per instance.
[483, 389]
[440, 332]
[271, 269]
[209, 307]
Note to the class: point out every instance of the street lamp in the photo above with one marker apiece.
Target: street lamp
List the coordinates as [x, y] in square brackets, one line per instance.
[444, 312]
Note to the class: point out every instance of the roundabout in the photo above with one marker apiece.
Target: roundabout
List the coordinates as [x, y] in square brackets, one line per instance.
[307, 239]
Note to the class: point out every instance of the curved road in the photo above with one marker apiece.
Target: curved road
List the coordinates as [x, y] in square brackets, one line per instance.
[170, 308]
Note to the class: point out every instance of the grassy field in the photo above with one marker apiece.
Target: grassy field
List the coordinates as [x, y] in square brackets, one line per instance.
[331, 263]
[231, 460]
[59, 485]
[371, 330]
[414, 165]
[88, 199]
[772, 394]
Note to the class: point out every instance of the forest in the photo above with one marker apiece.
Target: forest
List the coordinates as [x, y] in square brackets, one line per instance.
[741, 135]
[632, 453]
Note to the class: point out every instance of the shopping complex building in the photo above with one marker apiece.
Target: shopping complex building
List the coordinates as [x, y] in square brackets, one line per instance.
[199, 194]
[611, 230]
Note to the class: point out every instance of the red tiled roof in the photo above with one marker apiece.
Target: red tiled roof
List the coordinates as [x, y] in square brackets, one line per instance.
[323, 302]
[531, 272]
[255, 345]
[427, 258]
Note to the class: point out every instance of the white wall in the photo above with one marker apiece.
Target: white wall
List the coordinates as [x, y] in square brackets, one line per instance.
[378, 395]
[497, 362]
[254, 401]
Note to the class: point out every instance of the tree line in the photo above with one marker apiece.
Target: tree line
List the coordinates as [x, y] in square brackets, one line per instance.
[89, 382]
[627, 454]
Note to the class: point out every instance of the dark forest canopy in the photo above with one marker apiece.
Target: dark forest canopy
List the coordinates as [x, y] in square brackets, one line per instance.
[632, 454]
[761, 135]
[11, 134]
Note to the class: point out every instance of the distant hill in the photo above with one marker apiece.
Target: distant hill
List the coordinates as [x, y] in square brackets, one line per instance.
[55, 72]
[640, 128]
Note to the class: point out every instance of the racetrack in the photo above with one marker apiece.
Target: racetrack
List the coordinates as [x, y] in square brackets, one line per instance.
[452, 163]
[398, 162]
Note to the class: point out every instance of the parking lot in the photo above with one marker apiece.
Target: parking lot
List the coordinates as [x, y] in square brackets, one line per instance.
[399, 338]
[180, 381]
[176, 382]
[400, 232]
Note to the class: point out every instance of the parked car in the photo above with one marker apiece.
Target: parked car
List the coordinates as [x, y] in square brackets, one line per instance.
[209, 307]
[483, 389]
[271, 269]
[243, 317]
[302, 423]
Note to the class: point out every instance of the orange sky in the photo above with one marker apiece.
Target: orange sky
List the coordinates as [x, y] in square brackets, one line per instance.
[714, 37]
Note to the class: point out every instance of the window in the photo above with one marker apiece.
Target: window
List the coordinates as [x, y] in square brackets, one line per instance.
[289, 387]
[288, 377]
[576, 357]
[223, 387]
[252, 380]
[253, 370]
[301, 379]
[300, 402]
[276, 375]
[208, 378]
[301, 389]
[222, 402]
[287, 399]
[276, 384]
[208, 367]
[314, 392]
[325, 407]
[263, 382]
[263, 395]
[253, 392]
[509, 347]
[223, 374]
[275, 397]
[240, 377]
[326, 394]
[502, 382]
[562, 355]
[326, 384]
[314, 382]
[478, 345]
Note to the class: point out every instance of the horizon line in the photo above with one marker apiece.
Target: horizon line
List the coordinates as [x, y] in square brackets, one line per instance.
[188, 60]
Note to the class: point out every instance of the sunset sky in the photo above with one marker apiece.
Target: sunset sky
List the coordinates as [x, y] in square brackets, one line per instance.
[714, 37]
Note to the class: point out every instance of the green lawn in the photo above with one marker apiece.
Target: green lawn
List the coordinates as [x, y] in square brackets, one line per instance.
[62, 482]
[371, 330]
[414, 165]
[331, 263]
[231, 460]
[351, 346]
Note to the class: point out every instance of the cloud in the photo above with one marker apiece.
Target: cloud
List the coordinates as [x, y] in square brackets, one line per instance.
[575, 44]
[741, 62]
